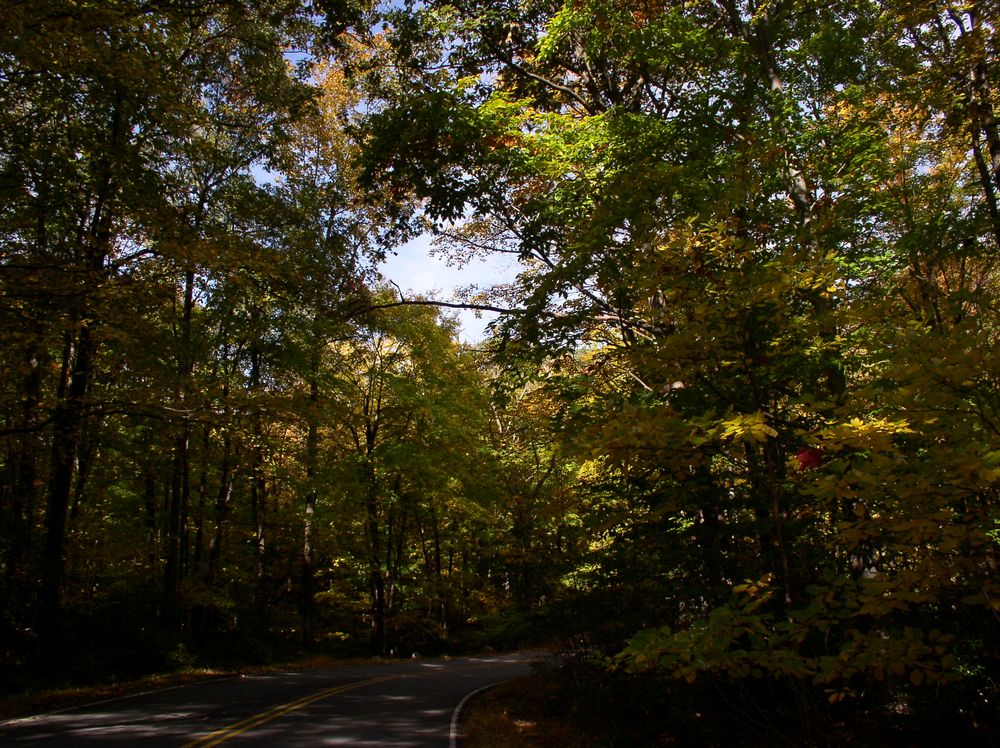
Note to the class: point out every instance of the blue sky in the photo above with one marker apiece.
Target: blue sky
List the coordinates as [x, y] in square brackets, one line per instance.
[416, 271]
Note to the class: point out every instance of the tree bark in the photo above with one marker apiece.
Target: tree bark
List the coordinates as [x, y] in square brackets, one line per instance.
[93, 246]
[984, 127]
[258, 497]
[224, 494]
[375, 576]
[24, 464]
[66, 424]
[180, 487]
[308, 592]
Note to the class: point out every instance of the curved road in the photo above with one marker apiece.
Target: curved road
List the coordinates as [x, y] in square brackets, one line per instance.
[387, 704]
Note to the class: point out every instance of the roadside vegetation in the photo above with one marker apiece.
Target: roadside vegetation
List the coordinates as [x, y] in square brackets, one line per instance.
[582, 705]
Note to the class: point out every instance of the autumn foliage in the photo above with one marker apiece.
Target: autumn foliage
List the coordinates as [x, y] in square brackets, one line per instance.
[740, 428]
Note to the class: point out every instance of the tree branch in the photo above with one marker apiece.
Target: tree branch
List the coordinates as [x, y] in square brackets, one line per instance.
[446, 304]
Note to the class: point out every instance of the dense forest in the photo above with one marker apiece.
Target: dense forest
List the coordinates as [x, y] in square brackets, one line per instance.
[737, 427]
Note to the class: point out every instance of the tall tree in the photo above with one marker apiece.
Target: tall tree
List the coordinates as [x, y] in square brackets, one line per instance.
[406, 395]
[752, 217]
[105, 110]
[328, 249]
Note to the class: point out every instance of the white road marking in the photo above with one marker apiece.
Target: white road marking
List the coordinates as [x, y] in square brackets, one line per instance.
[453, 734]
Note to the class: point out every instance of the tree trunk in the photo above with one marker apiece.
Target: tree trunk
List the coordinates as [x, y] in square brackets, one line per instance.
[180, 486]
[984, 127]
[224, 494]
[93, 244]
[199, 519]
[258, 496]
[376, 578]
[66, 424]
[149, 499]
[377, 586]
[23, 489]
[221, 510]
[395, 540]
[308, 592]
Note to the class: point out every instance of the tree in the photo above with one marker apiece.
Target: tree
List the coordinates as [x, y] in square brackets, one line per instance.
[328, 245]
[536, 500]
[752, 219]
[122, 126]
[406, 422]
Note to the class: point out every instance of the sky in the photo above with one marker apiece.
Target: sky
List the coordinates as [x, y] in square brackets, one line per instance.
[416, 271]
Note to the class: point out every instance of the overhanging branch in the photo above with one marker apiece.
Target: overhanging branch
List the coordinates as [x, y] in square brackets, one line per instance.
[446, 304]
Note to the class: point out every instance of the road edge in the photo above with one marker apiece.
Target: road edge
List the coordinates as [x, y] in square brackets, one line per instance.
[453, 732]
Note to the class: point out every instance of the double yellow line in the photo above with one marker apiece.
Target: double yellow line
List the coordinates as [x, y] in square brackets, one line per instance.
[256, 720]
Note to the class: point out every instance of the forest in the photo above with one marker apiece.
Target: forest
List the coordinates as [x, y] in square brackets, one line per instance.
[736, 432]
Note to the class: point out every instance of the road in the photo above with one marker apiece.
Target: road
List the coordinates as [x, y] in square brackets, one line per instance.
[410, 703]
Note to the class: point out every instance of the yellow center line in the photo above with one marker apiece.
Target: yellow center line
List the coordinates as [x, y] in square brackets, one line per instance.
[221, 736]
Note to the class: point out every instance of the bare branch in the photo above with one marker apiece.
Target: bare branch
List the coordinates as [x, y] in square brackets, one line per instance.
[446, 304]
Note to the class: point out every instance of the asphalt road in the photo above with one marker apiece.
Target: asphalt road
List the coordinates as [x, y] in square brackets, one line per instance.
[409, 703]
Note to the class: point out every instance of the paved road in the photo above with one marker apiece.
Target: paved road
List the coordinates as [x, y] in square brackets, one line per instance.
[392, 704]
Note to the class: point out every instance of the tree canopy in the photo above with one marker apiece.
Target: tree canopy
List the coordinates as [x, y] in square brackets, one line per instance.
[739, 425]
